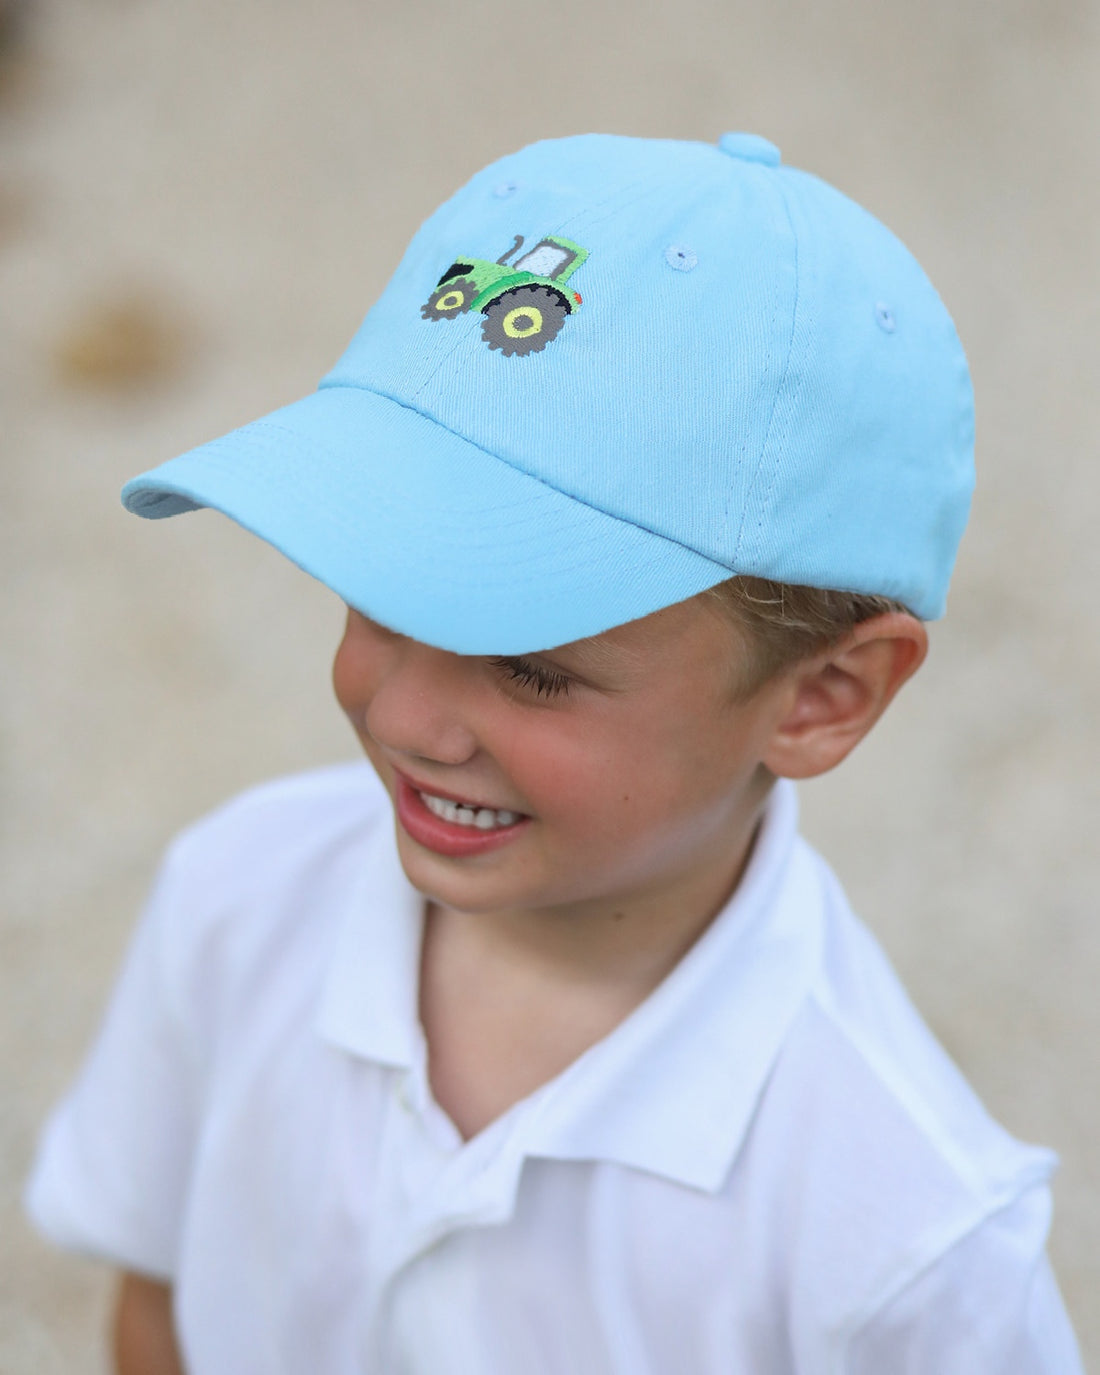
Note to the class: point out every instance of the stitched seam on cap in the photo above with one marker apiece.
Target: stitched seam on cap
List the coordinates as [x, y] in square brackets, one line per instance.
[618, 199]
[778, 386]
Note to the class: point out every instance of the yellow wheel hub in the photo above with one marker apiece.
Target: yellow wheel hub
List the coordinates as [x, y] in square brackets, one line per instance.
[453, 300]
[522, 321]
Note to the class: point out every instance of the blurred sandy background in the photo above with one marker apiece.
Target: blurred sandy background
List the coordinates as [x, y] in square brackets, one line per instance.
[197, 203]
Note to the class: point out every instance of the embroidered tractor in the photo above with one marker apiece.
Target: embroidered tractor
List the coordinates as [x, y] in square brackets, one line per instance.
[524, 303]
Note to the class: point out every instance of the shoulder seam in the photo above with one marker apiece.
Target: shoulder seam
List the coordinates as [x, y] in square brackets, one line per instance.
[1042, 1161]
[936, 1248]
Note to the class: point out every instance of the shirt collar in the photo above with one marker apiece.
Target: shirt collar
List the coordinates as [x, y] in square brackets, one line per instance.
[672, 1090]
[702, 1044]
[369, 1003]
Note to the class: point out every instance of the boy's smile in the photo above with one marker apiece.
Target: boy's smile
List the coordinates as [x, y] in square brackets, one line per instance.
[609, 777]
[451, 825]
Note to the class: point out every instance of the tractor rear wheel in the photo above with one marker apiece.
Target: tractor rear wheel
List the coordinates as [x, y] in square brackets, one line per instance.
[449, 299]
[523, 320]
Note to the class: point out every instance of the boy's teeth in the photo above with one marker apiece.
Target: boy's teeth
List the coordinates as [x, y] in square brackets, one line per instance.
[482, 818]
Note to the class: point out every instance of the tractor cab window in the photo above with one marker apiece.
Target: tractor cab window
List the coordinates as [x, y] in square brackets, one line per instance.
[546, 259]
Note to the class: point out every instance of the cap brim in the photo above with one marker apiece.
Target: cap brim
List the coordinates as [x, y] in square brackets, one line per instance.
[424, 531]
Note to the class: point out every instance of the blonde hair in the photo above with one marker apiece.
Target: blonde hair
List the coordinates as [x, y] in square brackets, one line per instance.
[783, 623]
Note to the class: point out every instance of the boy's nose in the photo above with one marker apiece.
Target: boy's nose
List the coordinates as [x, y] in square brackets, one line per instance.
[417, 708]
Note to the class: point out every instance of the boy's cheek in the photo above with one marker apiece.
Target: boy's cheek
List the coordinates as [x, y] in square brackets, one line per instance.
[560, 770]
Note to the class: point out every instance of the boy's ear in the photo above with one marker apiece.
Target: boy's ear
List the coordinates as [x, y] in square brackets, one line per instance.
[833, 699]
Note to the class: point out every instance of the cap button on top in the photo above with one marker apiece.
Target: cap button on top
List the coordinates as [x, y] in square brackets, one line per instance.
[750, 147]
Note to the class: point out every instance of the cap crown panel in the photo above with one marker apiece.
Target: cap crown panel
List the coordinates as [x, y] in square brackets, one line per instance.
[611, 407]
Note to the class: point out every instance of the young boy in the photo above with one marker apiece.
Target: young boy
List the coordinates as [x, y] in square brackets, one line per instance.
[638, 482]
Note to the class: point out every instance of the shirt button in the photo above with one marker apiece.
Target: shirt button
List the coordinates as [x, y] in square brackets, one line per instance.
[750, 148]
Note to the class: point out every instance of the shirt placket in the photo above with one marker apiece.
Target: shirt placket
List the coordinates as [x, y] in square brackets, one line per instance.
[431, 1185]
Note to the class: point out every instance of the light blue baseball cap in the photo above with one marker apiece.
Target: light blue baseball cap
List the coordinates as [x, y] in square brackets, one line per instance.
[607, 374]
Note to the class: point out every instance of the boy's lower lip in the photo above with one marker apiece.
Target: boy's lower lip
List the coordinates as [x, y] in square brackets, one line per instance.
[446, 837]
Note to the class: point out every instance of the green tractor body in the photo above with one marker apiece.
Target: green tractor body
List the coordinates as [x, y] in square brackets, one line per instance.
[524, 303]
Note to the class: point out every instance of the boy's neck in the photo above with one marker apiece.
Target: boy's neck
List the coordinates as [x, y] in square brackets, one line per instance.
[509, 999]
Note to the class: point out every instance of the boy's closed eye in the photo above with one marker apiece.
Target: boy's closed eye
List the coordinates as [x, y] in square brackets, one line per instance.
[540, 679]
[598, 664]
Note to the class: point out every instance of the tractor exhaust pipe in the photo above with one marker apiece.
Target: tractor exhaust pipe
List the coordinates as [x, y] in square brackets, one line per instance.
[514, 249]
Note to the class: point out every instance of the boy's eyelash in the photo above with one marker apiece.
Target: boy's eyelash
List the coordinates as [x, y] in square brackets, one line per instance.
[544, 681]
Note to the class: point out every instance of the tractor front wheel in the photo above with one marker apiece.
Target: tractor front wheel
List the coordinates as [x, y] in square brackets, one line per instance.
[523, 320]
[449, 299]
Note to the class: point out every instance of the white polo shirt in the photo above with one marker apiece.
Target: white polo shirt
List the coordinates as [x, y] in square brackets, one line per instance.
[770, 1168]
